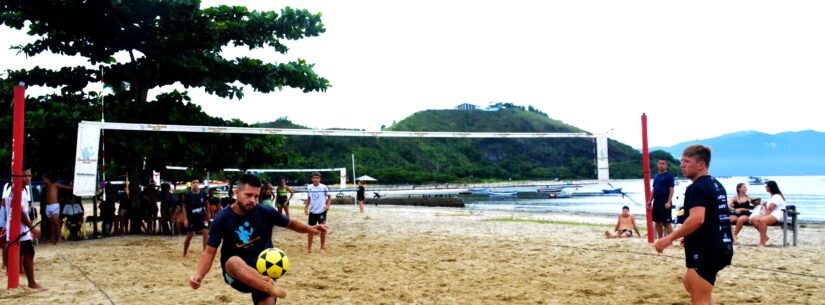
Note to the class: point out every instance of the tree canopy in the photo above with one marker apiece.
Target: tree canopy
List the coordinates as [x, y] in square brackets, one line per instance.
[168, 43]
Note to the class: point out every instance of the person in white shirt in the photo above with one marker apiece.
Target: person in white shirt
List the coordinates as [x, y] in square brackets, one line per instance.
[317, 205]
[770, 213]
[27, 230]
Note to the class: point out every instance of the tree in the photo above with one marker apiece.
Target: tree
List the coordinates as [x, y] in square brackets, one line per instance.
[168, 42]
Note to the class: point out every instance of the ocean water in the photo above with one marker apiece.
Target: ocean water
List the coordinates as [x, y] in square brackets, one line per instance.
[806, 192]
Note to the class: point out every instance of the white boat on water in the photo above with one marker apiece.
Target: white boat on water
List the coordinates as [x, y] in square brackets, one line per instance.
[756, 180]
[550, 189]
[480, 191]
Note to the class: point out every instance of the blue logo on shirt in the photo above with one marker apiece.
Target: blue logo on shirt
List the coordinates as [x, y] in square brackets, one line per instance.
[243, 234]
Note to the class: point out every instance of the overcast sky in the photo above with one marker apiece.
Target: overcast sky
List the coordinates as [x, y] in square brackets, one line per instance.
[699, 69]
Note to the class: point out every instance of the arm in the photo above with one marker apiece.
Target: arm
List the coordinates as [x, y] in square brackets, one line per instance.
[693, 222]
[619, 222]
[633, 218]
[329, 201]
[63, 186]
[185, 217]
[291, 193]
[204, 265]
[301, 227]
[669, 202]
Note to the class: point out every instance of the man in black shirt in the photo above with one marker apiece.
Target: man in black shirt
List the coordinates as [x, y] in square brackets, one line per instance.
[245, 229]
[195, 213]
[708, 242]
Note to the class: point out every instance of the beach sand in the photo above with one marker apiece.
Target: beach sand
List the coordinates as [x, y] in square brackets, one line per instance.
[416, 255]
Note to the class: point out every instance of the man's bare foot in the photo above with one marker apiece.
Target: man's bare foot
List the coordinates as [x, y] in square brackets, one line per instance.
[322, 251]
[309, 251]
[37, 288]
[269, 284]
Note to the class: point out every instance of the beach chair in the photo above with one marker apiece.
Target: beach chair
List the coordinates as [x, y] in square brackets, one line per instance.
[790, 219]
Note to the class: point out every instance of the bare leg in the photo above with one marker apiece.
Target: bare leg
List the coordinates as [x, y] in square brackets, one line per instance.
[55, 229]
[323, 238]
[28, 265]
[239, 270]
[205, 234]
[186, 242]
[286, 210]
[668, 228]
[361, 206]
[659, 230]
[699, 289]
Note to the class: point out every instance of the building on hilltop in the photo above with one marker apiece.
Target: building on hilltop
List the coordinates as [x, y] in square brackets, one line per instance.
[466, 106]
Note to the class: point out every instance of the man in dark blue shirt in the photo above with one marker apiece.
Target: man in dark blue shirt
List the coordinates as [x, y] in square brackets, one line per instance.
[195, 213]
[708, 242]
[245, 228]
[662, 200]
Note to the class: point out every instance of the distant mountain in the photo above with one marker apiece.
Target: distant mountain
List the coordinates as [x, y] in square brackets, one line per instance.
[418, 160]
[752, 153]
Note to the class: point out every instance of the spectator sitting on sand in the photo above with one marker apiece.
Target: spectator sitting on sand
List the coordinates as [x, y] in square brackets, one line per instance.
[624, 225]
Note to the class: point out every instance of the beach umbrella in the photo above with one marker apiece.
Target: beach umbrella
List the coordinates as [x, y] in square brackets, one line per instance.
[365, 178]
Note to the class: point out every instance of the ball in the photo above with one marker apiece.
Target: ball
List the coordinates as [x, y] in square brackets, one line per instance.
[272, 262]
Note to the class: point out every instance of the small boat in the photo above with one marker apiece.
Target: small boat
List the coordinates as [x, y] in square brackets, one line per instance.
[559, 195]
[342, 195]
[612, 191]
[503, 194]
[756, 180]
[485, 190]
[550, 189]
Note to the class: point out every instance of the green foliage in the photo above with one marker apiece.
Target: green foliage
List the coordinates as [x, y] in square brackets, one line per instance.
[427, 160]
[168, 42]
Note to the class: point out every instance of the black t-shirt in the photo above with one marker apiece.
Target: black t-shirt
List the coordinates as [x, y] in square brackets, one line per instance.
[195, 207]
[226, 201]
[245, 236]
[360, 193]
[714, 234]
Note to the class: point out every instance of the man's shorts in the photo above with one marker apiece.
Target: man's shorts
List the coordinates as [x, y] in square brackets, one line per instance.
[281, 201]
[26, 247]
[257, 296]
[196, 226]
[707, 264]
[661, 214]
[317, 218]
[52, 209]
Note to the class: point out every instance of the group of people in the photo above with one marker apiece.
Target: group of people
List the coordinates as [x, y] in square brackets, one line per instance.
[706, 219]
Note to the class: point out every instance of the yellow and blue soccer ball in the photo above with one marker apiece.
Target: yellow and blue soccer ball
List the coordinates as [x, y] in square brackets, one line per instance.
[272, 262]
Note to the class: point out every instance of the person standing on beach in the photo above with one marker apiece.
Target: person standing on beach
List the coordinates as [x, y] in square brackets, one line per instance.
[708, 241]
[245, 229]
[317, 205]
[53, 207]
[624, 225]
[281, 199]
[662, 199]
[360, 195]
[27, 229]
[194, 218]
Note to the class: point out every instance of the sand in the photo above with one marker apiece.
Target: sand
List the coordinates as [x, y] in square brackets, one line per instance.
[416, 255]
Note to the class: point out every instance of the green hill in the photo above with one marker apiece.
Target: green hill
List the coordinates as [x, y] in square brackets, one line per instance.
[409, 160]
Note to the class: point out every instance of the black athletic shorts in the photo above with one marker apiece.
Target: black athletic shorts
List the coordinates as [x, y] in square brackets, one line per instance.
[26, 247]
[281, 201]
[317, 218]
[257, 296]
[707, 264]
[196, 226]
[660, 214]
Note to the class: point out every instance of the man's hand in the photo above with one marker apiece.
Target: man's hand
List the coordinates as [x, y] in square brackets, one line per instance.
[663, 243]
[186, 224]
[195, 282]
[306, 211]
[319, 228]
[35, 233]
[668, 204]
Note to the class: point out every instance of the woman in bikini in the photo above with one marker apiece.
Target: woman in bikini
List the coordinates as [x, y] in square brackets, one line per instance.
[740, 206]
